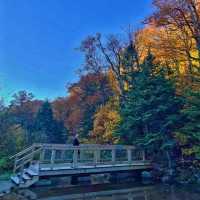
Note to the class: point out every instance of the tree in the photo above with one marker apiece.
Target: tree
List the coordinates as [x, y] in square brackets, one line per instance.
[47, 128]
[1, 105]
[22, 110]
[21, 97]
[105, 122]
[12, 138]
[151, 112]
[182, 17]
[189, 134]
[108, 54]
[85, 96]
[7, 143]
[183, 14]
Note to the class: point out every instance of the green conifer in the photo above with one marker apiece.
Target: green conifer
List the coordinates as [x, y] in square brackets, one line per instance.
[151, 112]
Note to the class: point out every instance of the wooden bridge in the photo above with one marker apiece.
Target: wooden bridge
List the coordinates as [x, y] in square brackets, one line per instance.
[45, 160]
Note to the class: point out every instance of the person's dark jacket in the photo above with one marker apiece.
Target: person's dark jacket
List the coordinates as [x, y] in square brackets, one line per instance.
[76, 142]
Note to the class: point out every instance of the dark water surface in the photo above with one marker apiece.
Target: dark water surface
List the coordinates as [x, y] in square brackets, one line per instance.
[128, 191]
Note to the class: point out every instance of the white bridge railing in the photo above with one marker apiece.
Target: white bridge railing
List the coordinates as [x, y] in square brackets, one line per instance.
[52, 155]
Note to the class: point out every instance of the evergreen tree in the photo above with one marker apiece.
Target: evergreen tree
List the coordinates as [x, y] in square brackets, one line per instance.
[48, 129]
[151, 112]
[190, 133]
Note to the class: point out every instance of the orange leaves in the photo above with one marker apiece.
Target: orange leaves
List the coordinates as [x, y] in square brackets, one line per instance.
[84, 98]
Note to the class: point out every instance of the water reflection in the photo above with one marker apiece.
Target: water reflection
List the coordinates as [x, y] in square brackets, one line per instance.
[114, 192]
[98, 192]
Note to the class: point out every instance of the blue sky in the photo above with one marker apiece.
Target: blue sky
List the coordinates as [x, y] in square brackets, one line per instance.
[38, 39]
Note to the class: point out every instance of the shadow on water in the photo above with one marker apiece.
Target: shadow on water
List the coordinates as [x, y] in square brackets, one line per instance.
[127, 191]
[126, 188]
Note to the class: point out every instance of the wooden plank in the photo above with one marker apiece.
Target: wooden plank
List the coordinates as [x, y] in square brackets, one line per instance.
[26, 177]
[31, 172]
[15, 179]
[86, 147]
[91, 169]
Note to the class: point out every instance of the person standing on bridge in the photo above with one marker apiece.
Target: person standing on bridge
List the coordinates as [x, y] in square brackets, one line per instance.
[76, 143]
[76, 140]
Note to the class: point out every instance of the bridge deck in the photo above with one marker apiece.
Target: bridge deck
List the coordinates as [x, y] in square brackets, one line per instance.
[53, 160]
[91, 169]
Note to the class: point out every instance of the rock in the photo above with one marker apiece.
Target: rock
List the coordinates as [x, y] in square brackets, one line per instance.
[5, 187]
[28, 194]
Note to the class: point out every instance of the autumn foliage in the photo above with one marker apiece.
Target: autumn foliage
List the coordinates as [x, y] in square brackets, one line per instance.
[131, 89]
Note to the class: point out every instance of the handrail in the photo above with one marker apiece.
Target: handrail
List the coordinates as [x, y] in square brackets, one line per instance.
[21, 152]
[78, 156]
[25, 156]
[28, 155]
[70, 146]
[84, 146]
[24, 151]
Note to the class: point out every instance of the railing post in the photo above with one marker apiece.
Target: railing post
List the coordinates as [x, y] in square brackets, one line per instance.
[82, 157]
[42, 153]
[113, 155]
[53, 153]
[96, 156]
[75, 158]
[32, 154]
[130, 196]
[21, 172]
[143, 155]
[129, 155]
[63, 155]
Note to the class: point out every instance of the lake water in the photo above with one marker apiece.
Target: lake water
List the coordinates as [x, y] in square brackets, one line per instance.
[128, 191]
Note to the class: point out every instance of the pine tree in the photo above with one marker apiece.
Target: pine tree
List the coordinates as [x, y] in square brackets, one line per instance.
[191, 131]
[48, 129]
[151, 111]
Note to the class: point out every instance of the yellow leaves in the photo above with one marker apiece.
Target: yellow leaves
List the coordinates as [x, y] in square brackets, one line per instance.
[173, 48]
[164, 44]
[182, 138]
[105, 121]
[113, 82]
[188, 151]
[194, 53]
